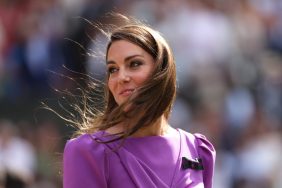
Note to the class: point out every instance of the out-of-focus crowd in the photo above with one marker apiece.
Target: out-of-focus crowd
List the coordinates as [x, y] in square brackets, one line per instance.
[229, 65]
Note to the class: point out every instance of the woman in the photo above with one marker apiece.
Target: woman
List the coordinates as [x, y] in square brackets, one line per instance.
[131, 143]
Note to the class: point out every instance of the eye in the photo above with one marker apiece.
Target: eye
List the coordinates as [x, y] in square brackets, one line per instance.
[112, 70]
[135, 64]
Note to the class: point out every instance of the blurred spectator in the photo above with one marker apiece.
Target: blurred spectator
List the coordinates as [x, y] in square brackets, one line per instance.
[270, 86]
[48, 149]
[17, 158]
[258, 154]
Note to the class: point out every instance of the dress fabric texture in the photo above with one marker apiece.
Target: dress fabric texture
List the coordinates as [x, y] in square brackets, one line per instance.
[143, 162]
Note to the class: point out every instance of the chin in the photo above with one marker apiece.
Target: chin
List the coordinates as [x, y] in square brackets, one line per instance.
[120, 102]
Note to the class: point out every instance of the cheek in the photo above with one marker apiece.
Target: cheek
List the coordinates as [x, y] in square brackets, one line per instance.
[141, 78]
[111, 85]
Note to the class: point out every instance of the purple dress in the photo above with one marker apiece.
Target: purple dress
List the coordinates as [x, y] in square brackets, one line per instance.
[143, 162]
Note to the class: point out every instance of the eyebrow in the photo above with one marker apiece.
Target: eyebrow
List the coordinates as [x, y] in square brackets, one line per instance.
[125, 59]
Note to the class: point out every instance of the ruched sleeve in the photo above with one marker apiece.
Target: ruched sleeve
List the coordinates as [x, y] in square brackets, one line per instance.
[207, 153]
[84, 163]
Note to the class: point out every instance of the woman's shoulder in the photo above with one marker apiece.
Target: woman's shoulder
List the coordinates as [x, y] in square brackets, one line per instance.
[200, 141]
[85, 162]
[85, 143]
[204, 144]
[206, 153]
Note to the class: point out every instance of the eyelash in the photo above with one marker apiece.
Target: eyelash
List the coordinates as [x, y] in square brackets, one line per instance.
[133, 64]
[112, 70]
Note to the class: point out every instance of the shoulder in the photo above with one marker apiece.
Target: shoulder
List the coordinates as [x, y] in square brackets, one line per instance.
[204, 144]
[85, 162]
[187, 135]
[199, 140]
[83, 145]
[206, 152]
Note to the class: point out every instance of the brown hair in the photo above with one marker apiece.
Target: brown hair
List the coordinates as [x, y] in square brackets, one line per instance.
[148, 103]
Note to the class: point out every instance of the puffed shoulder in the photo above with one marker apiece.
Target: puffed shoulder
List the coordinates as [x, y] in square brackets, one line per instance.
[207, 153]
[85, 163]
[84, 143]
[204, 146]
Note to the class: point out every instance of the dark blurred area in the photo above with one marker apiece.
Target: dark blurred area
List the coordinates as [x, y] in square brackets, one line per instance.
[229, 62]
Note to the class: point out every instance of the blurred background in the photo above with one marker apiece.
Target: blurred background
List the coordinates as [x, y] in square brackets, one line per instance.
[229, 64]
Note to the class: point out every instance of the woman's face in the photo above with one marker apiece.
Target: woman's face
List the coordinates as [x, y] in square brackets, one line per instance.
[129, 66]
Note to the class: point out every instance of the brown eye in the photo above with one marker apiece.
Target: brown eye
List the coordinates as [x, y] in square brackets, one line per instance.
[135, 64]
[112, 70]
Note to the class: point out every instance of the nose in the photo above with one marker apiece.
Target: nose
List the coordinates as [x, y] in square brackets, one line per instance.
[124, 76]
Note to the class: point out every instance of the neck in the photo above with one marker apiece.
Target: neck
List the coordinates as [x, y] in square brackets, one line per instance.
[160, 127]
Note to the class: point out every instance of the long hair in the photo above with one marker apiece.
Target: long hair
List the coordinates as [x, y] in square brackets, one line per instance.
[152, 100]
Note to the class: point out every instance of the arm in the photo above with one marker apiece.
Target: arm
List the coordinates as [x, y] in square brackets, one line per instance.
[207, 153]
[84, 164]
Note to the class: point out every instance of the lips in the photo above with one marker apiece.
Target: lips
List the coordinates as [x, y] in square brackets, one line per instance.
[126, 92]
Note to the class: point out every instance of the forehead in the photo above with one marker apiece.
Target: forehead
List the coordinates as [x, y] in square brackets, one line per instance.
[122, 48]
